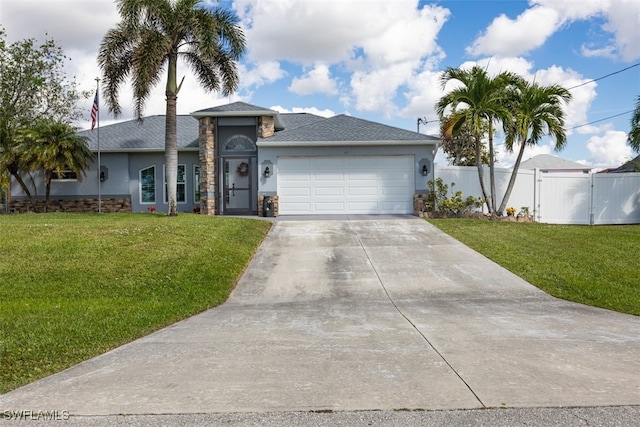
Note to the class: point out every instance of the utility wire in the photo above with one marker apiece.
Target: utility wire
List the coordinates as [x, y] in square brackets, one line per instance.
[604, 77]
[601, 120]
[595, 80]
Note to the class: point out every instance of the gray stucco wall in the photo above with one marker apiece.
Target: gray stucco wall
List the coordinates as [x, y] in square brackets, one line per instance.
[270, 154]
[139, 161]
[123, 176]
[116, 185]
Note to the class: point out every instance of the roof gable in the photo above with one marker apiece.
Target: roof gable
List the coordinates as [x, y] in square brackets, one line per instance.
[547, 161]
[235, 109]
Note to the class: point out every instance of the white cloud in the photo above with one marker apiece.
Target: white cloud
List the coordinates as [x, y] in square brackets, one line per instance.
[384, 47]
[603, 52]
[623, 21]
[72, 24]
[424, 91]
[507, 159]
[317, 80]
[533, 27]
[375, 91]
[570, 10]
[497, 65]
[311, 110]
[512, 37]
[609, 150]
[582, 97]
[407, 37]
[259, 74]
[307, 31]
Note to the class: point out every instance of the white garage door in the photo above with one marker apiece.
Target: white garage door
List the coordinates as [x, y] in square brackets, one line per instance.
[345, 185]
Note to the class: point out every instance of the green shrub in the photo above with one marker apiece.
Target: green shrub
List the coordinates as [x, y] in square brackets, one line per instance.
[438, 205]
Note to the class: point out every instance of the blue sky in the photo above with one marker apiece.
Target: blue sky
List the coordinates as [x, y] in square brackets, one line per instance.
[381, 60]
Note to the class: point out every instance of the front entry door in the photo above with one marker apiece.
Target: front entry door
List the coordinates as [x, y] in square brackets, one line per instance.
[237, 186]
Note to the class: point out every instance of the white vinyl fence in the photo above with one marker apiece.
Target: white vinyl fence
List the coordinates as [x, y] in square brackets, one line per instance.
[558, 198]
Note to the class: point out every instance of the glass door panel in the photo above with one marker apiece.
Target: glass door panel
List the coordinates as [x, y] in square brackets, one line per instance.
[237, 186]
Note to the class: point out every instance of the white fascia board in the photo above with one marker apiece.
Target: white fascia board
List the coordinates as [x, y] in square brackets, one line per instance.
[267, 143]
[255, 113]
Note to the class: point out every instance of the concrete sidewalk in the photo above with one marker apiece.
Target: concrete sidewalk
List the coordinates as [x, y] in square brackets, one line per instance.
[362, 314]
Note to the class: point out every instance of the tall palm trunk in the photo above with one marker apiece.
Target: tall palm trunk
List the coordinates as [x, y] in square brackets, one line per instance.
[15, 172]
[492, 173]
[171, 137]
[47, 188]
[514, 175]
[480, 167]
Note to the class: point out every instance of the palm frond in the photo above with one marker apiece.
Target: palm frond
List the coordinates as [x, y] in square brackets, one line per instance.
[634, 133]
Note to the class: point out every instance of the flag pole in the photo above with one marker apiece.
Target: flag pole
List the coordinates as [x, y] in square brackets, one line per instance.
[97, 100]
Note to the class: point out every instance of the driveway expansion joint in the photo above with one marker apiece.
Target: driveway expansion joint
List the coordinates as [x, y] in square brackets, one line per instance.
[413, 325]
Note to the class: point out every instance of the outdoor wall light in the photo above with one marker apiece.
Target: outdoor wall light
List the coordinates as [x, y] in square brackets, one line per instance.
[425, 170]
[267, 172]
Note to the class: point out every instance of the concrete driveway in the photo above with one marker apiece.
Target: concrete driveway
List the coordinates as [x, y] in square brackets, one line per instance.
[362, 314]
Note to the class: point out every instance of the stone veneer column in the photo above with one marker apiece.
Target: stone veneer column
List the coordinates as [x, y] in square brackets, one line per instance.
[266, 126]
[207, 144]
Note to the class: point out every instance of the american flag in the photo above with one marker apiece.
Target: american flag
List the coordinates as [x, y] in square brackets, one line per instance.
[94, 111]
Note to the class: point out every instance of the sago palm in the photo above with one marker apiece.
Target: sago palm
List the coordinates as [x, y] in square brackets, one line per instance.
[478, 101]
[152, 35]
[537, 111]
[54, 148]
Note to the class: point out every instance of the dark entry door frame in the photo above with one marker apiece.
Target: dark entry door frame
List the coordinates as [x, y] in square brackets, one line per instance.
[237, 184]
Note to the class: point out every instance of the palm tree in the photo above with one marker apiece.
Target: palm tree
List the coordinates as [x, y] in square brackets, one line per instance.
[10, 161]
[56, 149]
[537, 111]
[479, 101]
[634, 133]
[152, 35]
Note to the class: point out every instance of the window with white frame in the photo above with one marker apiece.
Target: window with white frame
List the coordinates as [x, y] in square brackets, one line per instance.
[147, 185]
[196, 183]
[181, 189]
[65, 175]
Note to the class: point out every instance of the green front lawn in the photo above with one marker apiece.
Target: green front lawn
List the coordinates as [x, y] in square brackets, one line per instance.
[594, 265]
[76, 285]
[73, 286]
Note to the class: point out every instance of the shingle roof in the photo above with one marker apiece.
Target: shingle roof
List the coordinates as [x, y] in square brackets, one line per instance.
[295, 120]
[239, 108]
[343, 128]
[148, 134]
[547, 161]
[630, 166]
[299, 128]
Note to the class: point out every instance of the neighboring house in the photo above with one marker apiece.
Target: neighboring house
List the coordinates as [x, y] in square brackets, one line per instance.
[630, 166]
[548, 163]
[239, 159]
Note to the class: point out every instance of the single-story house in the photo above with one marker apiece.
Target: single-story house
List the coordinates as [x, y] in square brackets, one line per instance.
[548, 163]
[241, 159]
[632, 165]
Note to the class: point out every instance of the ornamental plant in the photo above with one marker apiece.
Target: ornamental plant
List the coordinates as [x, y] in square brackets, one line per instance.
[511, 211]
[439, 205]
